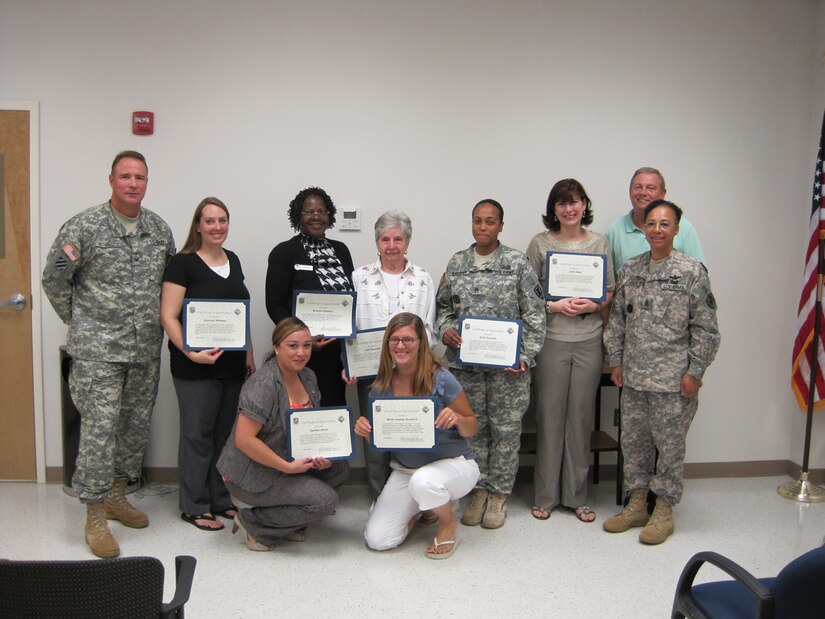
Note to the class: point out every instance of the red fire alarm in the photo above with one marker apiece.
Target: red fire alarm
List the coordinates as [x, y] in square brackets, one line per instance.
[143, 123]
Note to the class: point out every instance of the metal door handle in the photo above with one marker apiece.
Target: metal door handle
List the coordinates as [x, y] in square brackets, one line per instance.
[16, 302]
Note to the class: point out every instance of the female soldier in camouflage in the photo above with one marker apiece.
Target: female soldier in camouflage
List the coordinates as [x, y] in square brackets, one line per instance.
[661, 337]
[491, 280]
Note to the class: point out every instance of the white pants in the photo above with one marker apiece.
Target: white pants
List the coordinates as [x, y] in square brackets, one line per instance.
[409, 491]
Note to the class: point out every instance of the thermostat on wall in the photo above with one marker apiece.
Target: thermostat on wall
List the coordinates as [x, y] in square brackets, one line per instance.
[350, 219]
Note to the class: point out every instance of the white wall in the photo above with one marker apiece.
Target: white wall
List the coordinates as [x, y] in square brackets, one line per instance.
[429, 106]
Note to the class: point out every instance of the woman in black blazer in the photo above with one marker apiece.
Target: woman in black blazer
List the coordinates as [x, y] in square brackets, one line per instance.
[311, 261]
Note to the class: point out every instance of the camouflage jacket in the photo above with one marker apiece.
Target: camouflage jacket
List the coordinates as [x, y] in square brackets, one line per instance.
[105, 284]
[662, 324]
[507, 287]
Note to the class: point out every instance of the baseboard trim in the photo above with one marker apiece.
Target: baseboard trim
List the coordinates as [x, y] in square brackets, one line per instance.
[607, 472]
[816, 476]
[705, 470]
[715, 470]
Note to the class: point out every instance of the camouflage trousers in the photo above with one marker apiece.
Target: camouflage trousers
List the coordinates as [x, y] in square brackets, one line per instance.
[499, 400]
[652, 421]
[115, 401]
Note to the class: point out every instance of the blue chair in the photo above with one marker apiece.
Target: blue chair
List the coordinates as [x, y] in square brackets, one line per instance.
[797, 592]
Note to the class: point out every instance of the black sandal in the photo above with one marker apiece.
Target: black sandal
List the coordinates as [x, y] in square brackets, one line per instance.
[225, 513]
[193, 520]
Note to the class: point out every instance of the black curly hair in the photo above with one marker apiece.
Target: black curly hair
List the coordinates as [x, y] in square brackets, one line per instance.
[297, 205]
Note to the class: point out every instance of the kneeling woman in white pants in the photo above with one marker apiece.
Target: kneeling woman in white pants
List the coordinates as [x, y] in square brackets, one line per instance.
[421, 480]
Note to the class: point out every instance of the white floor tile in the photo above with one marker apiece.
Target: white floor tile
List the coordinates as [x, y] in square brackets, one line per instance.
[555, 568]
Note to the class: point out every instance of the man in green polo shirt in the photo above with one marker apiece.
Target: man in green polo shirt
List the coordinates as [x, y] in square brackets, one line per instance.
[626, 234]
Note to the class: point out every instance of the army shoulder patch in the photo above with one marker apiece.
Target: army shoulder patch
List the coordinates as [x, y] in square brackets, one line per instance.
[71, 252]
[710, 301]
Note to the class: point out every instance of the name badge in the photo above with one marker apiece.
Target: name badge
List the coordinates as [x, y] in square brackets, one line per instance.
[303, 267]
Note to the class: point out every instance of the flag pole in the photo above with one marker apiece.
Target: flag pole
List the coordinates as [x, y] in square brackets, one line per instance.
[802, 490]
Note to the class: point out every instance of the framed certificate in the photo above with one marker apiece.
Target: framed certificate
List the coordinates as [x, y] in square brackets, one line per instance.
[329, 313]
[492, 342]
[215, 323]
[400, 424]
[362, 354]
[575, 275]
[324, 432]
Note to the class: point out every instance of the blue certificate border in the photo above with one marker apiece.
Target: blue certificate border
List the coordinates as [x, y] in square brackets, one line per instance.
[346, 343]
[185, 313]
[516, 321]
[603, 257]
[350, 423]
[374, 399]
[351, 294]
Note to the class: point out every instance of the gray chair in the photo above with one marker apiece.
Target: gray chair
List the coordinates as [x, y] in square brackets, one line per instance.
[127, 587]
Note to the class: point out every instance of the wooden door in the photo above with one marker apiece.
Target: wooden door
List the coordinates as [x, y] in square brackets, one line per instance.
[17, 419]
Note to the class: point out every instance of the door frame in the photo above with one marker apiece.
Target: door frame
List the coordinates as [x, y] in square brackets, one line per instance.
[33, 108]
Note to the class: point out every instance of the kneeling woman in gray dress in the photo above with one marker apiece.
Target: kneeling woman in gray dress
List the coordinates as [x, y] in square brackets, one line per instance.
[285, 496]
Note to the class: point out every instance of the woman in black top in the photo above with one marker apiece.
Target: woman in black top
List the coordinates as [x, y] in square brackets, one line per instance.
[207, 382]
[311, 261]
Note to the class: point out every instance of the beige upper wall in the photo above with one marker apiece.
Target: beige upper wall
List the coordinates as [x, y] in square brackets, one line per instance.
[430, 106]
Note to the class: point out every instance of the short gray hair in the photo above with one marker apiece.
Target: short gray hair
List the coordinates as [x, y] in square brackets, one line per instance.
[392, 220]
[649, 171]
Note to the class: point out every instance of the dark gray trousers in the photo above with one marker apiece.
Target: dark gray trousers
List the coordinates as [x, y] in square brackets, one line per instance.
[291, 502]
[207, 412]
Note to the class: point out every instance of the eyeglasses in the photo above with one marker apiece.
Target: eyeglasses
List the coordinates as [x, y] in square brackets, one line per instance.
[314, 213]
[662, 225]
[408, 341]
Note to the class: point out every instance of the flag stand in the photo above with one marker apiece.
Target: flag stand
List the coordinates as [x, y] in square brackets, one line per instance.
[802, 490]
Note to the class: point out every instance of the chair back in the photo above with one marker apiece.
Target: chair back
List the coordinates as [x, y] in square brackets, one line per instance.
[128, 587]
[799, 589]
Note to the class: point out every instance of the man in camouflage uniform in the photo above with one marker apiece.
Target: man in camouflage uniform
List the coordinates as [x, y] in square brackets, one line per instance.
[493, 281]
[103, 276]
[661, 337]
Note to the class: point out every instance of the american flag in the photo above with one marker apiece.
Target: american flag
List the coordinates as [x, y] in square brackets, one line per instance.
[809, 304]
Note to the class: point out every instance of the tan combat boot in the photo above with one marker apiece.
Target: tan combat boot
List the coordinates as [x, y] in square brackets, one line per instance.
[660, 526]
[101, 541]
[496, 511]
[475, 510]
[633, 515]
[118, 508]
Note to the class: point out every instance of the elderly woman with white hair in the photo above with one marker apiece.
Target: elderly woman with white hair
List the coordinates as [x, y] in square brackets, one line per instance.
[386, 287]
